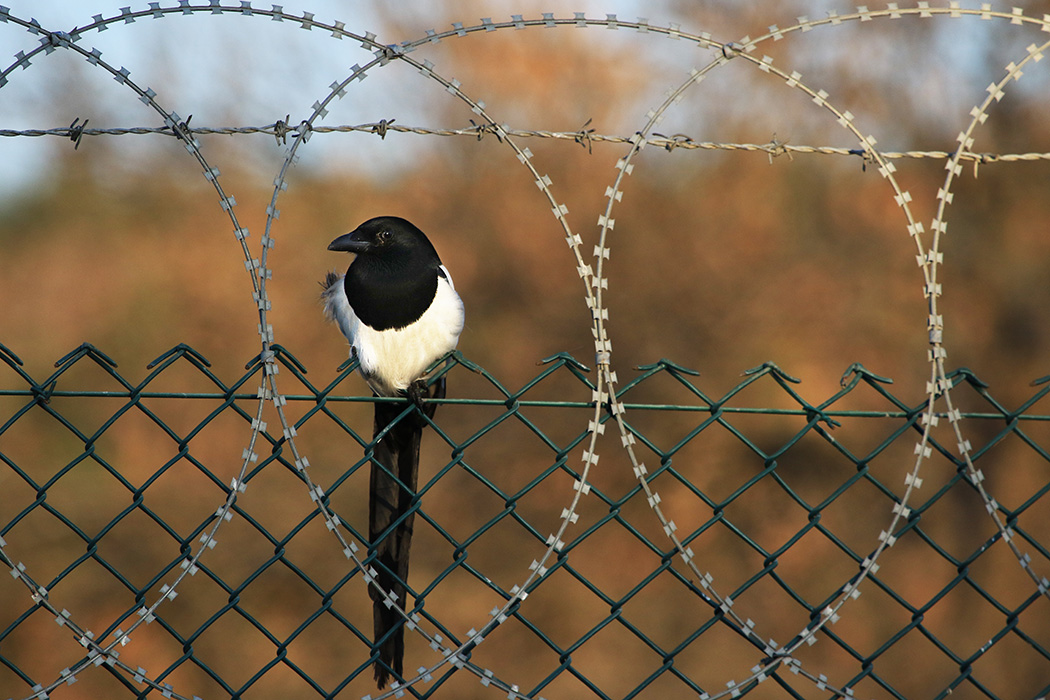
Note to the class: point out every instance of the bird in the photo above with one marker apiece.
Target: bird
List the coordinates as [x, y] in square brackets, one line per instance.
[398, 308]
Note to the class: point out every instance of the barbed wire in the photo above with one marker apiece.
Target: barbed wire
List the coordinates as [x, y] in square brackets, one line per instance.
[774, 148]
[606, 405]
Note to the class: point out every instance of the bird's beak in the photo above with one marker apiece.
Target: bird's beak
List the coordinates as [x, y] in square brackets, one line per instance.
[348, 243]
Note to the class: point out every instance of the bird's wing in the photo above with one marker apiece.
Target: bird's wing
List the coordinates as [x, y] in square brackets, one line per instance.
[443, 271]
[336, 306]
[338, 310]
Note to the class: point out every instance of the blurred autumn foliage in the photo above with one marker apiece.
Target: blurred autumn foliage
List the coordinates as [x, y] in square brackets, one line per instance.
[720, 261]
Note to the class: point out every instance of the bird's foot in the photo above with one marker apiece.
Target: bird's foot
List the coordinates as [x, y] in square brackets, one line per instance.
[417, 390]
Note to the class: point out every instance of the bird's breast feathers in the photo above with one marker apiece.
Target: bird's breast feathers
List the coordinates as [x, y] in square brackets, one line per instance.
[392, 359]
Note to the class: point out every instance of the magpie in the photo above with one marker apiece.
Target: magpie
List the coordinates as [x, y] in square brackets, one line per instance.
[397, 306]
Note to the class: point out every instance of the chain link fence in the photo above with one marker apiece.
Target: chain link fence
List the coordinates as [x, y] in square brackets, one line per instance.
[578, 536]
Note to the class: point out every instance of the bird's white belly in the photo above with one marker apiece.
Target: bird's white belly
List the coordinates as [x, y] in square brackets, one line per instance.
[392, 359]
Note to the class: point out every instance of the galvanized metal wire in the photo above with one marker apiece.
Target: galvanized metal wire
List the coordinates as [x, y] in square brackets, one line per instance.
[259, 393]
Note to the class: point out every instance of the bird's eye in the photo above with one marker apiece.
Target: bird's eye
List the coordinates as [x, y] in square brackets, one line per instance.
[382, 237]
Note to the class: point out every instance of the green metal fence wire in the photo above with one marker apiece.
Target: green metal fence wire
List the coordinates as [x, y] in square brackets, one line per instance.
[332, 595]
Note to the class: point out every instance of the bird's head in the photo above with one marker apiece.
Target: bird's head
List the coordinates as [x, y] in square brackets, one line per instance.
[384, 236]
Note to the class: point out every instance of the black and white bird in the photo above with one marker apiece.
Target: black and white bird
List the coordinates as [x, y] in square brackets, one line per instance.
[397, 306]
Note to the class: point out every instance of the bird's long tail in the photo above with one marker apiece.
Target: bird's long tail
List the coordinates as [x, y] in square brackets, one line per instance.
[395, 468]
